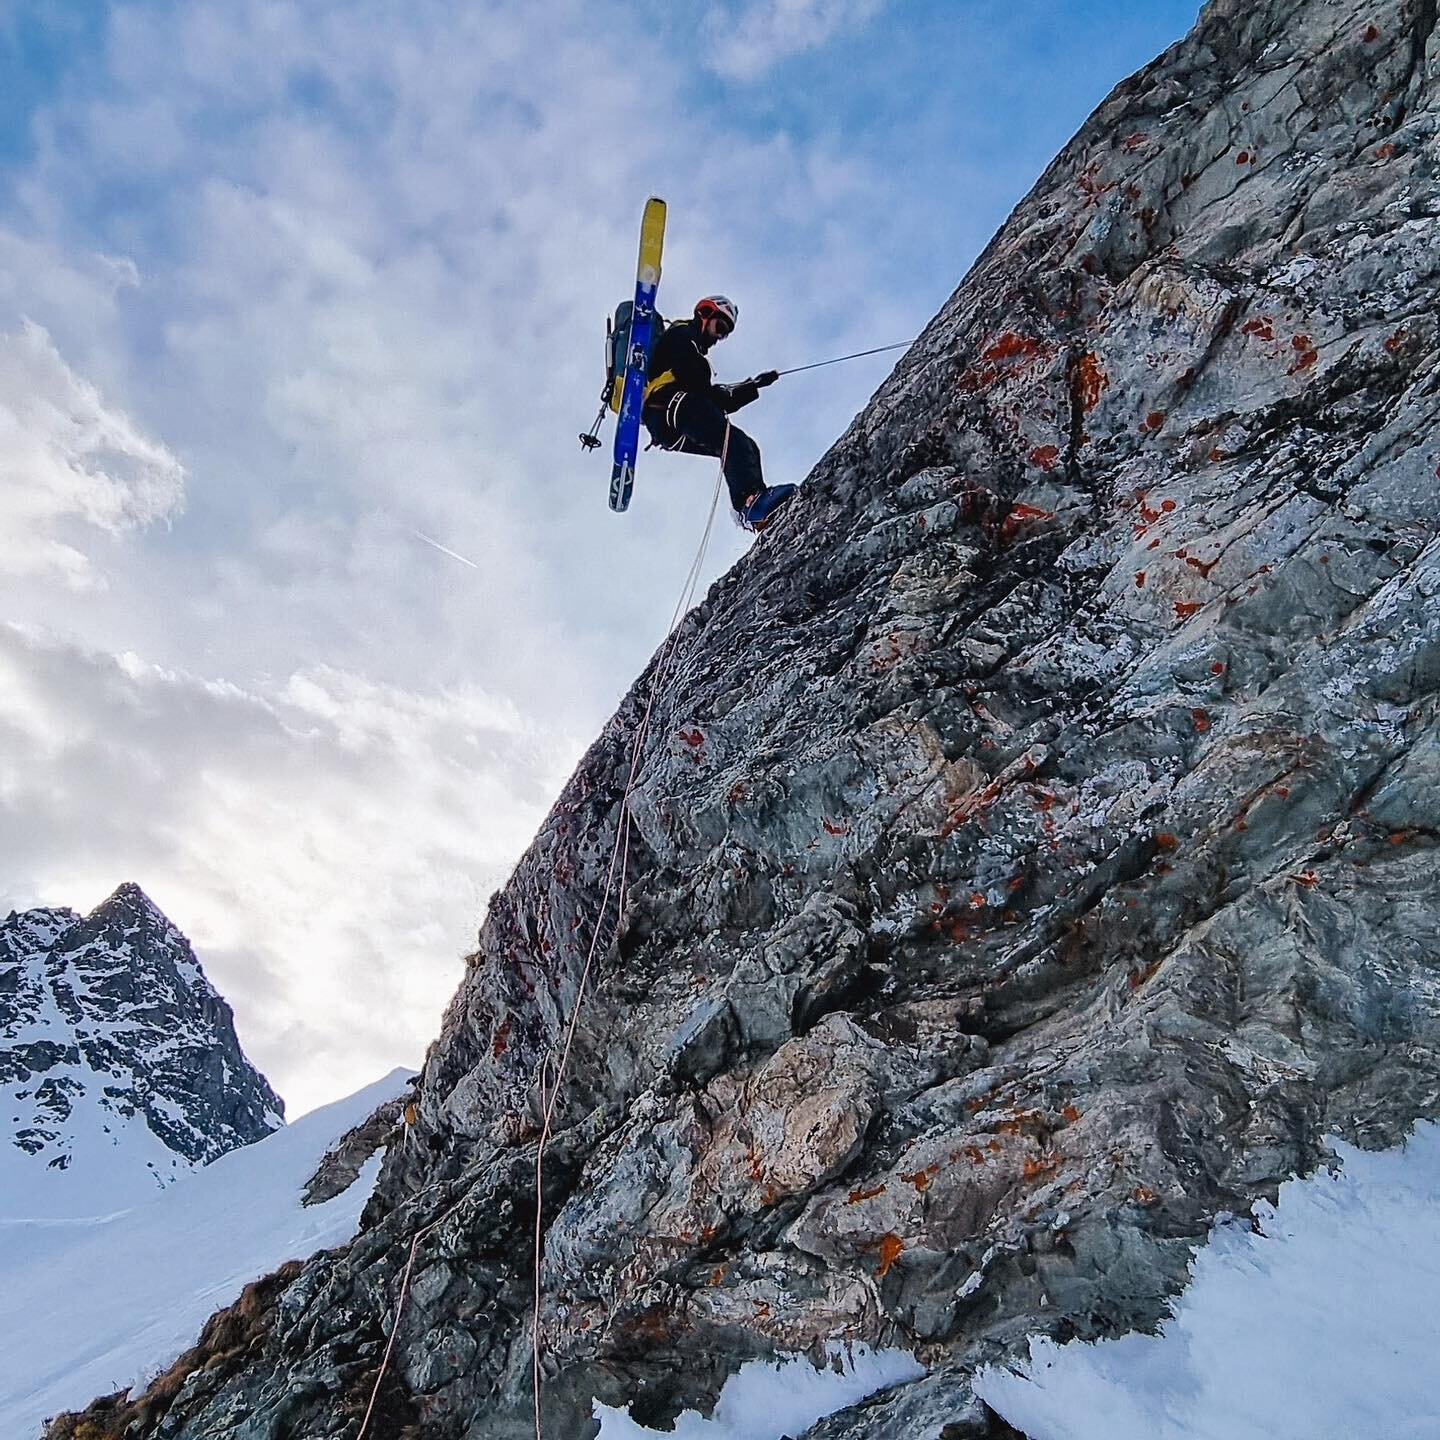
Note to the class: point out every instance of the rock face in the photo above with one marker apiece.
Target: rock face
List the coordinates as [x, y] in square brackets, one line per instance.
[119, 1066]
[342, 1163]
[1033, 850]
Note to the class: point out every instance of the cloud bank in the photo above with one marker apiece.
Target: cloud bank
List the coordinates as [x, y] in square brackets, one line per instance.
[326, 842]
[66, 456]
[297, 296]
[746, 40]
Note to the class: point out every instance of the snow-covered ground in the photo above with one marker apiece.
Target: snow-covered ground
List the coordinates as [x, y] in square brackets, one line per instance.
[1323, 1326]
[764, 1401]
[109, 1158]
[89, 1306]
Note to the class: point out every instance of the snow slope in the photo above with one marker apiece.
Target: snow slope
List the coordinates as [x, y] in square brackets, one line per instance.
[93, 1305]
[1325, 1325]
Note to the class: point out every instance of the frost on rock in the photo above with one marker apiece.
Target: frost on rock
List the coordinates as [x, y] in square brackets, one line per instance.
[1056, 876]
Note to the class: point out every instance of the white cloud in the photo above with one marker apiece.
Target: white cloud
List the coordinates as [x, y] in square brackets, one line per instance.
[746, 39]
[327, 842]
[67, 456]
[351, 261]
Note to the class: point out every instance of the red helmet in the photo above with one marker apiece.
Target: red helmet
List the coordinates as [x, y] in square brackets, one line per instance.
[718, 307]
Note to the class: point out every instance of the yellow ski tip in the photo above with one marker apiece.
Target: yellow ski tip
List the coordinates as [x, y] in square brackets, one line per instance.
[652, 240]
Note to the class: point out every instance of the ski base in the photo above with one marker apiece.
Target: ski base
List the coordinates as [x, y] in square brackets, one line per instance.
[622, 482]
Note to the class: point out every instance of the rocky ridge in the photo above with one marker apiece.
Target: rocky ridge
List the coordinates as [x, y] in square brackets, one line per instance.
[1057, 873]
[119, 1064]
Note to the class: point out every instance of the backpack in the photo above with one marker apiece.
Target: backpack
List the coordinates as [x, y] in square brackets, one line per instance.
[617, 350]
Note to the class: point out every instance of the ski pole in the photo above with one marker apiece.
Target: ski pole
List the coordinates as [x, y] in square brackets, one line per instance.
[590, 440]
[878, 350]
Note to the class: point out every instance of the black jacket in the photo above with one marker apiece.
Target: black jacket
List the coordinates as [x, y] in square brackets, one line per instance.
[678, 362]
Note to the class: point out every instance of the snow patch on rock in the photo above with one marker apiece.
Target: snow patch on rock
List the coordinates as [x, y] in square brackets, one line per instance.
[767, 1400]
[1320, 1322]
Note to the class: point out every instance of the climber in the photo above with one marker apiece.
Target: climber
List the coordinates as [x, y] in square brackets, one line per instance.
[685, 410]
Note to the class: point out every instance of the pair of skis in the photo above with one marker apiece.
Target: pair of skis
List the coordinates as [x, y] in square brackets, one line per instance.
[642, 322]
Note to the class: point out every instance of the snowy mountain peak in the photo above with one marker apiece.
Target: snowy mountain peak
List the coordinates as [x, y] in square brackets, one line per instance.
[32, 930]
[126, 952]
[119, 1065]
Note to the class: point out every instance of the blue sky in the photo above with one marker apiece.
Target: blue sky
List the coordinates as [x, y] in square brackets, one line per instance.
[285, 282]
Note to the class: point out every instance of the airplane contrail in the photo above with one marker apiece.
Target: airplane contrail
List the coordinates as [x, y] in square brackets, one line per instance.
[445, 550]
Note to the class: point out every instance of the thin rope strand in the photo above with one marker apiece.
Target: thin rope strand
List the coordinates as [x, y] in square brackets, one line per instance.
[395, 1328]
[840, 359]
[619, 851]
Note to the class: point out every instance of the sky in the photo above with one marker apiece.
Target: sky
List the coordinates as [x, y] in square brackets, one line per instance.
[288, 287]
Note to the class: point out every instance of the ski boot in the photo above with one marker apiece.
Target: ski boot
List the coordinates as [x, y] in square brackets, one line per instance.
[760, 509]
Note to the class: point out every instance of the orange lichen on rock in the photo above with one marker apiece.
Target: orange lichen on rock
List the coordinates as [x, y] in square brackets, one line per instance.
[890, 1247]
[857, 1195]
[1305, 354]
[501, 1042]
[921, 1178]
[1090, 381]
[1011, 347]
[1140, 976]
[1021, 515]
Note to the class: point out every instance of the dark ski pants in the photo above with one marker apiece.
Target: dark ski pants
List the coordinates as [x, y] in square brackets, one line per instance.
[697, 426]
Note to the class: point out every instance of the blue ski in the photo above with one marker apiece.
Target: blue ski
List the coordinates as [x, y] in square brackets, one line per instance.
[642, 319]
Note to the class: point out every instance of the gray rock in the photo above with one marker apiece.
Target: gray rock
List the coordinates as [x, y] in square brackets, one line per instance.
[340, 1166]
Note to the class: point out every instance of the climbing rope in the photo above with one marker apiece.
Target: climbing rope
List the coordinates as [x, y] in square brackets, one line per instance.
[551, 1093]
[395, 1327]
[840, 359]
[619, 854]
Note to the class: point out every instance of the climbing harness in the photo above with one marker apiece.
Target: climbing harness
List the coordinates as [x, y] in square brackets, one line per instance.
[550, 1092]
[590, 439]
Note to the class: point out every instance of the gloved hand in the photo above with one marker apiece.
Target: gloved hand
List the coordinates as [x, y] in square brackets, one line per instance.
[768, 377]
